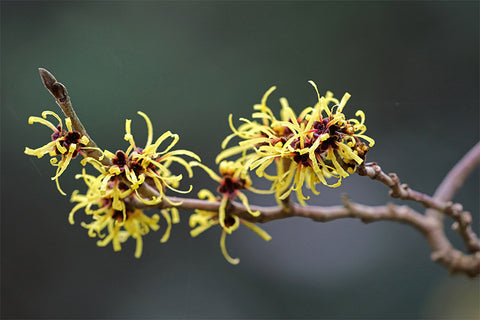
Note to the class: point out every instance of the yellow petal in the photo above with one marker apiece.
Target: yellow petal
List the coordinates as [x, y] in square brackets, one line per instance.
[221, 211]
[345, 98]
[244, 200]
[149, 128]
[60, 148]
[84, 140]
[46, 113]
[175, 215]
[68, 123]
[32, 120]
[169, 226]
[209, 171]
[139, 246]
[195, 232]
[224, 250]
[262, 233]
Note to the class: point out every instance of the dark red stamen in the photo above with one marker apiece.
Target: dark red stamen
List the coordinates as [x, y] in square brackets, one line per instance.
[120, 159]
[136, 167]
[230, 186]
[72, 137]
[118, 215]
[302, 159]
[229, 221]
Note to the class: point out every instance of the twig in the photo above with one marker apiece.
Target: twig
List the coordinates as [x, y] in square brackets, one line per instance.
[457, 175]
[442, 251]
[398, 190]
[59, 92]
[463, 219]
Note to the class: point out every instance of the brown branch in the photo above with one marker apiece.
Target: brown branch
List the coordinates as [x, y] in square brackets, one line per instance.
[432, 229]
[463, 219]
[59, 92]
[442, 251]
[458, 174]
[447, 189]
[398, 190]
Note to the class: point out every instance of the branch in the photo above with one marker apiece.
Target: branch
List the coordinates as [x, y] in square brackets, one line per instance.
[402, 191]
[59, 92]
[456, 176]
[442, 251]
[463, 219]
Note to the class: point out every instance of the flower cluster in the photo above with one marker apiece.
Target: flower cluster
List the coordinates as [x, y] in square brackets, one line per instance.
[146, 168]
[317, 145]
[127, 181]
[120, 220]
[66, 144]
[116, 188]
[232, 180]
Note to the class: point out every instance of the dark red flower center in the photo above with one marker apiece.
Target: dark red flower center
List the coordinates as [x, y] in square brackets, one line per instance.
[120, 159]
[229, 221]
[67, 139]
[118, 215]
[230, 186]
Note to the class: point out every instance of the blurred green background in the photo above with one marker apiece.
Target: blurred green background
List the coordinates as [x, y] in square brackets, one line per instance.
[413, 67]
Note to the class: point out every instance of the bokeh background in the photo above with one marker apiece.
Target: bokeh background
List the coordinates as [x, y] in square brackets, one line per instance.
[413, 67]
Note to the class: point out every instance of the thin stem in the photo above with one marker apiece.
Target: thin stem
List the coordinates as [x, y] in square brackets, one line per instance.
[442, 251]
[59, 92]
[403, 191]
[463, 219]
[456, 177]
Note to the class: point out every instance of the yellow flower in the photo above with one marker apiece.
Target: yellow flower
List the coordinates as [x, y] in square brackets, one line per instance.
[233, 178]
[253, 133]
[145, 166]
[310, 148]
[202, 220]
[113, 221]
[65, 143]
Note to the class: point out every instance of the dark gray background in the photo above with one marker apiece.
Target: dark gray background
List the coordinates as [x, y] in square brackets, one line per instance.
[413, 67]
